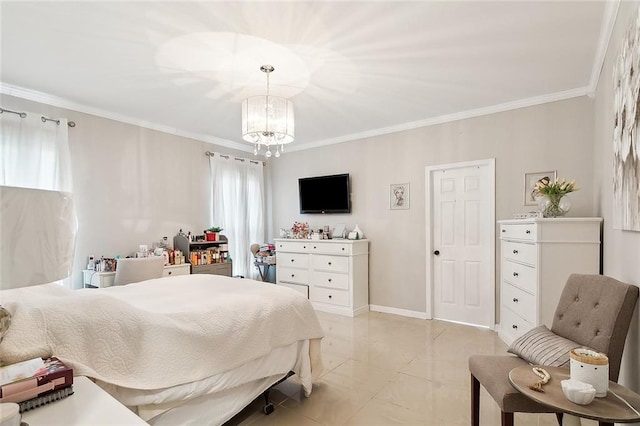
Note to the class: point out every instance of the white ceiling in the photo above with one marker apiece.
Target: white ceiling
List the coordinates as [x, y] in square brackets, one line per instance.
[352, 69]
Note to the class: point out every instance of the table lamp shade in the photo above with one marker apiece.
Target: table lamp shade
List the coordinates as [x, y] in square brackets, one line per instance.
[37, 236]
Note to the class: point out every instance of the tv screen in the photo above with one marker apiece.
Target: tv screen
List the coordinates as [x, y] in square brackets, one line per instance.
[325, 194]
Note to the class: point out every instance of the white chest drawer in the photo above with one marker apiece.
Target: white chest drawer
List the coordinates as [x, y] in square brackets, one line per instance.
[522, 276]
[173, 270]
[330, 296]
[331, 248]
[520, 252]
[330, 263]
[298, 246]
[525, 231]
[330, 280]
[520, 302]
[293, 275]
[293, 260]
[513, 325]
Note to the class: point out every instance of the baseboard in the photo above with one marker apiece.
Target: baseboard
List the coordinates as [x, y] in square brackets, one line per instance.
[397, 311]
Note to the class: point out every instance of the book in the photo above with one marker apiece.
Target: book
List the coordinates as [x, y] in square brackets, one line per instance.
[50, 384]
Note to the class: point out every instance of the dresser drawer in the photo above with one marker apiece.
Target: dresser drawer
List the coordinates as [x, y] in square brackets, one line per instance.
[521, 276]
[295, 246]
[331, 296]
[300, 288]
[520, 252]
[520, 302]
[293, 275]
[330, 263]
[173, 270]
[330, 280]
[513, 325]
[525, 231]
[293, 260]
[331, 248]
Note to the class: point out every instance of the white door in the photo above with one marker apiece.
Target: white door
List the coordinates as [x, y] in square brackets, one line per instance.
[461, 235]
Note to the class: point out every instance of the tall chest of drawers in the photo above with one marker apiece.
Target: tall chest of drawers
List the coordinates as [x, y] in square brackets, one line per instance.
[537, 257]
[333, 274]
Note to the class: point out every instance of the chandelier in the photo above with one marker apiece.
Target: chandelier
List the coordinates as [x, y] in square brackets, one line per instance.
[268, 120]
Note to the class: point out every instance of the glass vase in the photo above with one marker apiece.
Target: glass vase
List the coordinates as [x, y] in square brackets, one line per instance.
[554, 205]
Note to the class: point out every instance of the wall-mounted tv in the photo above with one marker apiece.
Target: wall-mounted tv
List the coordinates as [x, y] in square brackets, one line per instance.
[325, 194]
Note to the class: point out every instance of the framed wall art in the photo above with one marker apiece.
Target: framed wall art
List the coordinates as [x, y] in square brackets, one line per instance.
[530, 180]
[399, 196]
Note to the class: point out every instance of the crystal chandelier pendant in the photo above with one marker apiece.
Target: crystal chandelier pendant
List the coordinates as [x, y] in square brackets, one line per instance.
[268, 153]
[277, 152]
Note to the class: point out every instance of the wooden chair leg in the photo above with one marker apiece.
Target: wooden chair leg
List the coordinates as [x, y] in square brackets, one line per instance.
[475, 401]
[507, 419]
[559, 417]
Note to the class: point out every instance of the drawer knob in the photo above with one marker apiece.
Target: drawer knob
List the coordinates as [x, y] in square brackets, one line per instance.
[329, 279]
[304, 246]
[293, 275]
[330, 296]
[515, 327]
[170, 272]
[293, 260]
[342, 248]
[515, 252]
[329, 263]
[527, 232]
[515, 274]
[504, 230]
[515, 300]
[314, 247]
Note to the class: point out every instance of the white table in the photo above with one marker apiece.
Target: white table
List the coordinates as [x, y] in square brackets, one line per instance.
[89, 405]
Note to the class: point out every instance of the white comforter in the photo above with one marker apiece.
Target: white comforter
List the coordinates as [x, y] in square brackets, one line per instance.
[157, 333]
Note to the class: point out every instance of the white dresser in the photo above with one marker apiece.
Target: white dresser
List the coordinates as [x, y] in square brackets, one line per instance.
[537, 257]
[333, 274]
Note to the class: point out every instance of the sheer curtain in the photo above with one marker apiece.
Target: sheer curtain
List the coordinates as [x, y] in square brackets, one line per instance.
[38, 221]
[238, 207]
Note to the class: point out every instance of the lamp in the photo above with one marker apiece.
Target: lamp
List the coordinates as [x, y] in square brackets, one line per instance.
[268, 120]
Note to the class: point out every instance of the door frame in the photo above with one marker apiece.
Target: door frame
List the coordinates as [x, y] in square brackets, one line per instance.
[428, 171]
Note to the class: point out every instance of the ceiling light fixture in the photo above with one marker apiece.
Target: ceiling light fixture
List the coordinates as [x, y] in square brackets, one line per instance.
[268, 120]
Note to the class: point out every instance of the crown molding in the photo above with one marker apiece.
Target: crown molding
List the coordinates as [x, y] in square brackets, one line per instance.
[606, 31]
[45, 98]
[523, 103]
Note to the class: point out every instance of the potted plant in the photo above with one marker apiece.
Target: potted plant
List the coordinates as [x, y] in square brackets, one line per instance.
[212, 233]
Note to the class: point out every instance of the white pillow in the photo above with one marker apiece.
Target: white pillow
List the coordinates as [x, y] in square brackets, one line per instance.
[540, 346]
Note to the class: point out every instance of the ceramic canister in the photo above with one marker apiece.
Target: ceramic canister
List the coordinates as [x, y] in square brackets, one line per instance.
[590, 367]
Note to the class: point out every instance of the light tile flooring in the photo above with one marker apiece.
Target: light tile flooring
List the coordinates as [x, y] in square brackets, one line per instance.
[383, 369]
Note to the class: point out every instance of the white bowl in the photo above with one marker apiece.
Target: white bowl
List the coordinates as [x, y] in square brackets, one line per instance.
[578, 392]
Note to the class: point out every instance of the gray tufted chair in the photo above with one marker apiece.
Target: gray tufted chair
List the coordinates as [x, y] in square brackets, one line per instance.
[593, 311]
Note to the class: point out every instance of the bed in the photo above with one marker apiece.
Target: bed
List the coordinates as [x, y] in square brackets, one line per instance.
[191, 349]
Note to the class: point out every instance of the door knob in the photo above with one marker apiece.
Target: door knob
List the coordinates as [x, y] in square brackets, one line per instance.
[437, 252]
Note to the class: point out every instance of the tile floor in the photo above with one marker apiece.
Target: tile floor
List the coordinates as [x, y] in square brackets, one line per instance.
[383, 369]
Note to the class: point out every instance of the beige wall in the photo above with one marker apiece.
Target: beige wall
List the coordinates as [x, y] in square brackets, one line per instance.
[132, 185]
[554, 136]
[621, 248]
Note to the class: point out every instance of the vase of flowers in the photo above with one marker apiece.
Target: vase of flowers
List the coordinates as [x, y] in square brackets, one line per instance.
[553, 200]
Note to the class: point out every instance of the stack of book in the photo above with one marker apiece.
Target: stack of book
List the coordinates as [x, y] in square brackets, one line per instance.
[35, 382]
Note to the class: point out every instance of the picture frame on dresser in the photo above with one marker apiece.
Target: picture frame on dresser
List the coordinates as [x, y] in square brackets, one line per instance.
[530, 180]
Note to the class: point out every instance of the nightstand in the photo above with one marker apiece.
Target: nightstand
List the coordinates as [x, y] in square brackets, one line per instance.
[89, 405]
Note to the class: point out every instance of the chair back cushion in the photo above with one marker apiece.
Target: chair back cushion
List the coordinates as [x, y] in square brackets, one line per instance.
[132, 270]
[595, 311]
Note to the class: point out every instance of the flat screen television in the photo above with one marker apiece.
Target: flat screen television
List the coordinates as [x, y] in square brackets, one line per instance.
[325, 194]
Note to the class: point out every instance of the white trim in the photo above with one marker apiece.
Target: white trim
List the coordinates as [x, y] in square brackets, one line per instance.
[491, 163]
[522, 103]
[398, 311]
[608, 23]
[33, 95]
[45, 98]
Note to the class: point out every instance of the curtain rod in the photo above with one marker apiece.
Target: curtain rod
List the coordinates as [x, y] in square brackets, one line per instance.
[212, 154]
[43, 118]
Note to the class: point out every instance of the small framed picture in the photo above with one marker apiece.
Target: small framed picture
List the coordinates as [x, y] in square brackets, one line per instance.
[399, 196]
[530, 180]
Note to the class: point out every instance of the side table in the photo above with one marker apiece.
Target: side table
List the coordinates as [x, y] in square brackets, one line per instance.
[610, 409]
[89, 405]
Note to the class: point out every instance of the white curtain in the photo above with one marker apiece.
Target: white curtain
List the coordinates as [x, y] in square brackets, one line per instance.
[39, 224]
[34, 154]
[238, 207]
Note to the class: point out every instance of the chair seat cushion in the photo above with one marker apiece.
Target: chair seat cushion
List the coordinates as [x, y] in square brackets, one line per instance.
[493, 373]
